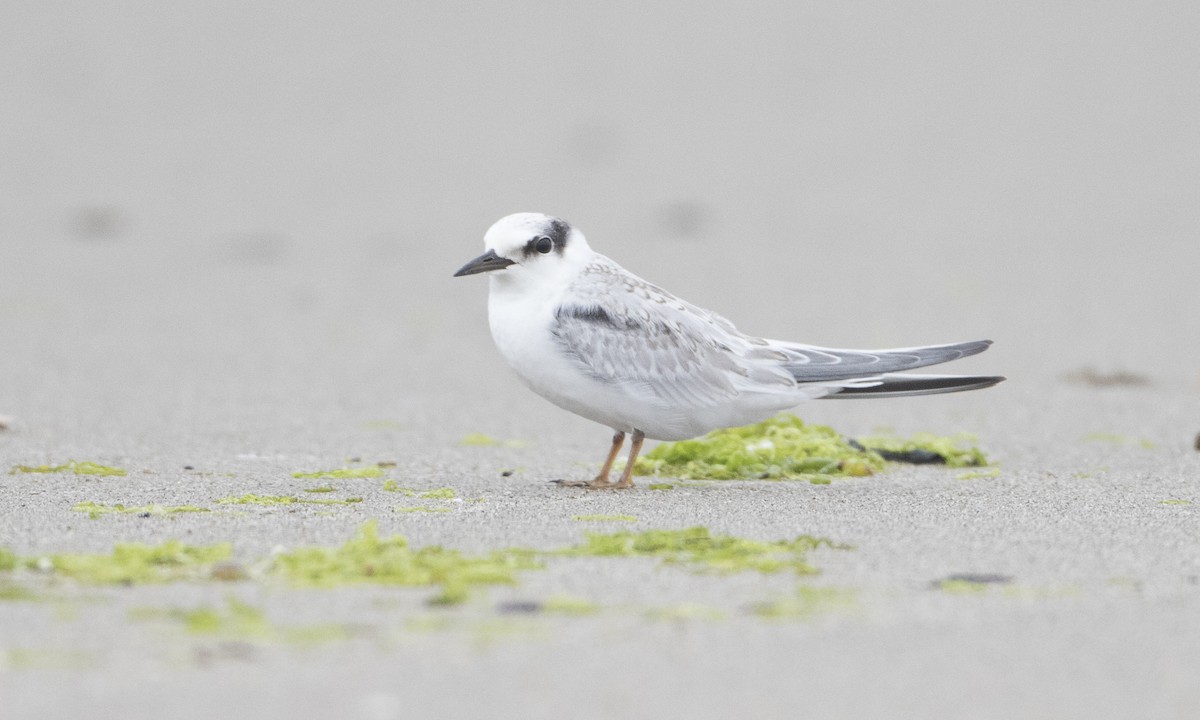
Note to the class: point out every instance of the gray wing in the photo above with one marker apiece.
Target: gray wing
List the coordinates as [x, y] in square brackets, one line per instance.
[625, 331]
[809, 363]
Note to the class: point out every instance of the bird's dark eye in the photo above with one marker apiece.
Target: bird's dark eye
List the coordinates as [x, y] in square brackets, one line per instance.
[544, 245]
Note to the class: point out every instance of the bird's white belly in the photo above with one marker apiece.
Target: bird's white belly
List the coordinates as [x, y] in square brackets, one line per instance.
[521, 329]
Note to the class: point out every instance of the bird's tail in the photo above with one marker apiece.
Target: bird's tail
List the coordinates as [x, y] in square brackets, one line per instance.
[904, 385]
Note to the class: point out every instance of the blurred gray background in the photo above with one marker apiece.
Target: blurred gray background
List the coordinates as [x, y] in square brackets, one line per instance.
[201, 190]
[227, 234]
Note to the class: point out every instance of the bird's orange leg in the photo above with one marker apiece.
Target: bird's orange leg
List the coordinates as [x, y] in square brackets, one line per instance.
[635, 447]
[601, 480]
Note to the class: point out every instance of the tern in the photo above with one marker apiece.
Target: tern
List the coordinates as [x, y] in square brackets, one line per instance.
[597, 340]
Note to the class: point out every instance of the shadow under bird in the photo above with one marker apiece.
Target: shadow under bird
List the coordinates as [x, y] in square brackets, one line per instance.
[595, 339]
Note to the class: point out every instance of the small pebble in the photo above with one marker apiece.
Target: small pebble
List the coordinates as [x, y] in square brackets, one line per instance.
[228, 571]
[519, 607]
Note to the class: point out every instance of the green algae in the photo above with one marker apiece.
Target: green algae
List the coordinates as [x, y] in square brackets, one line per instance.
[370, 471]
[320, 489]
[95, 510]
[240, 621]
[8, 560]
[482, 440]
[660, 486]
[1115, 439]
[956, 450]
[978, 474]
[962, 587]
[442, 493]
[252, 499]
[46, 659]
[13, 592]
[1176, 502]
[698, 548]
[569, 605]
[135, 563]
[420, 509]
[685, 612]
[71, 466]
[782, 448]
[390, 485]
[478, 440]
[808, 602]
[369, 558]
[604, 518]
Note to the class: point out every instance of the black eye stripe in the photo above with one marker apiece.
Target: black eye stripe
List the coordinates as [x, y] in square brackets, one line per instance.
[554, 232]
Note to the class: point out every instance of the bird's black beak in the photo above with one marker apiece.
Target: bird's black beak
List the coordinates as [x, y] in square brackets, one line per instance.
[486, 262]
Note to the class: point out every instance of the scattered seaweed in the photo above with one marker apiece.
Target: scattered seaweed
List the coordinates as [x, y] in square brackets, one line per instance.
[321, 489]
[661, 486]
[604, 518]
[482, 440]
[135, 563]
[978, 474]
[685, 612]
[95, 510]
[1115, 439]
[442, 493]
[807, 602]
[252, 499]
[697, 547]
[241, 621]
[420, 509]
[782, 448]
[71, 466]
[369, 558]
[969, 583]
[390, 485]
[924, 448]
[346, 473]
[569, 605]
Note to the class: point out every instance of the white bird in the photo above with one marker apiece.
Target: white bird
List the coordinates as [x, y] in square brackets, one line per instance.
[595, 339]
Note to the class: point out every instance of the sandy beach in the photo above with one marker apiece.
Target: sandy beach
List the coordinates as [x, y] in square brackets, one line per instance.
[226, 246]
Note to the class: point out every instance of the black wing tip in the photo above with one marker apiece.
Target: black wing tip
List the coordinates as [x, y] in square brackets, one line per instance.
[900, 385]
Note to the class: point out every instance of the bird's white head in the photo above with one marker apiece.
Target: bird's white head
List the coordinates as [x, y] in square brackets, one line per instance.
[530, 247]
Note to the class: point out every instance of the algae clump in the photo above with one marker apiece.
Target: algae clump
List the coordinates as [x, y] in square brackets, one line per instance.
[131, 563]
[342, 473]
[369, 558]
[442, 493]
[696, 546]
[782, 448]
[71, 466]
[604, 518]
[95, 510]
[808, 602]
[252, 499]
[241, 621]
[390, 485]
[569, 605]
[953, 450]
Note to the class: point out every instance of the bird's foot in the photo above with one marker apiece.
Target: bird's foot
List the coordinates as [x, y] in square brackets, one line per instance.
[597, 483]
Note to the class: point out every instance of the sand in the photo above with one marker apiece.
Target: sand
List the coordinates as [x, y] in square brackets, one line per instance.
[225, 257]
